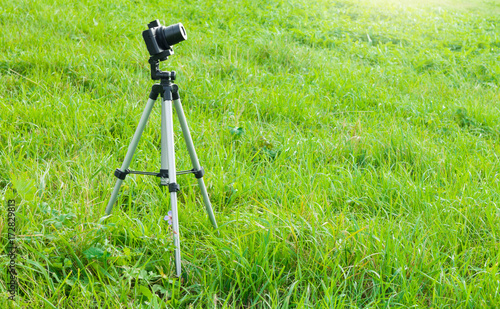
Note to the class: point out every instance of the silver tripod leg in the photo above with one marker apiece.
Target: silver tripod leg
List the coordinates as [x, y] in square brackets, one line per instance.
[168, 162]
[130, 152]
[194, 158]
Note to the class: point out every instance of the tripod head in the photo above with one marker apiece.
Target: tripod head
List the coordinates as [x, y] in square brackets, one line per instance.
[157, 74]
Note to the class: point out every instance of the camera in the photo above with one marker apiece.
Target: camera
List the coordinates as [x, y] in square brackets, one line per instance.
[160, 39]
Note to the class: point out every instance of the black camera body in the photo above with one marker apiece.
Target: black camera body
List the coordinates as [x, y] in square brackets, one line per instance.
[160, 39]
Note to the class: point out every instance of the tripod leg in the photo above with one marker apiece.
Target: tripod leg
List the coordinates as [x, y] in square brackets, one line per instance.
[168, 162]
[194, 157]
[130, 152]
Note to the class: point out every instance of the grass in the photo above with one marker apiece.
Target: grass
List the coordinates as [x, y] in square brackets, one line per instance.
[351, 154]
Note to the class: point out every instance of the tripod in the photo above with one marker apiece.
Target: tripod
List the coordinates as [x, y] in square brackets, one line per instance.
[169, 92]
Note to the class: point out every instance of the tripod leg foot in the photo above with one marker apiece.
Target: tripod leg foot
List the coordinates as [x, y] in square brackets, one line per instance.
[206, 201]
[177, 244]
[113, 197]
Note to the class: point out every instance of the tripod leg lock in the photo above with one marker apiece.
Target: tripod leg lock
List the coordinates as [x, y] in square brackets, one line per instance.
[173, 187]
[120, 174]
[199, 173]
[175, 92]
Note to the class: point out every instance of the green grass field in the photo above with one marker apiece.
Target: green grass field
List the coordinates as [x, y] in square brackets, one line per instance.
[351, 152]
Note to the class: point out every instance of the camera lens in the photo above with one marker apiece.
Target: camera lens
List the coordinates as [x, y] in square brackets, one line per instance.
[171, 35]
